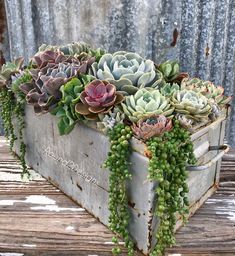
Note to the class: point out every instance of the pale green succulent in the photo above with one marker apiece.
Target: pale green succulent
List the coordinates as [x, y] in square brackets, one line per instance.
[145, 103]
[168, 89]
[127, 71]
[170, 70]
[192, 104]
[215, 94]
[116, 116]
[9, 69]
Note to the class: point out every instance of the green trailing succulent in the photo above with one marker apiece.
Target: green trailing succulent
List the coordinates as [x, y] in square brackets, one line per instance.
[127, 71]
[65, 110]
[193, 105]
[146, 102]
[118, 165]
[170, 154]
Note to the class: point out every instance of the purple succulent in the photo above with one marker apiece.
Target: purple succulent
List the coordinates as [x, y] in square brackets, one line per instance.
[98, 97]
[54, 70]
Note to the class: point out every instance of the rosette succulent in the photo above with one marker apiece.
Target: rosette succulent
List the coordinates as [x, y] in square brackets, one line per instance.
[146, 102]
[78, 49]
[9, 69]
[168, 89]
[192, 104]
[151, 126]
[171, 71]
[215, 94]
[65, 110]
[108, 121]
[127, 71]
[53, 70]
[98, 97]
[18, 79]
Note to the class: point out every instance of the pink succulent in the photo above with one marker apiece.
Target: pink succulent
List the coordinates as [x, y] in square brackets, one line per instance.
[151, 126]
[98, 97]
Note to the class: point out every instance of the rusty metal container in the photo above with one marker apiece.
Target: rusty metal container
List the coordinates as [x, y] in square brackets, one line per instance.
[73, 164]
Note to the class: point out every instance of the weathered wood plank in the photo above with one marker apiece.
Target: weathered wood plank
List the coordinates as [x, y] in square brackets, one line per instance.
[51, 224]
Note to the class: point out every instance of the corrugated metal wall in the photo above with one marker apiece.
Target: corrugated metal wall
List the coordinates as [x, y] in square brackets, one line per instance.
[205, 45]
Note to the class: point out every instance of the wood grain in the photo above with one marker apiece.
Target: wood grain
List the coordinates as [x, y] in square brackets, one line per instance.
[60, 227]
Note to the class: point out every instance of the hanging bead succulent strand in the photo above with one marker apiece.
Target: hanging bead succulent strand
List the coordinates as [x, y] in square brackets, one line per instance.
[167, 166]
[19, 114]
[14, 107]
[117, 163]
[7, 102]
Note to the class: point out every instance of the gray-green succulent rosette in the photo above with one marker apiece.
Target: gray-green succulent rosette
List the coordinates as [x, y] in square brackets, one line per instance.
[145, 103]
[128, 71]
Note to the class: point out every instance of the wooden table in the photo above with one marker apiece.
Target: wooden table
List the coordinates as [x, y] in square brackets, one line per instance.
[37, 219]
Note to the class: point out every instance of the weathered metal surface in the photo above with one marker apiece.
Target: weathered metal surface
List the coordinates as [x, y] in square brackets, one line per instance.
[73, 163]
[200, 34]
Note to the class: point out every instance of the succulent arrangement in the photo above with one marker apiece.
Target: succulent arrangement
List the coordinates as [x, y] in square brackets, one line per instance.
[127, 96]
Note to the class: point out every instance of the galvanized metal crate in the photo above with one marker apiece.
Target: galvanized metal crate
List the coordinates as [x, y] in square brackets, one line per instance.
[73, 163]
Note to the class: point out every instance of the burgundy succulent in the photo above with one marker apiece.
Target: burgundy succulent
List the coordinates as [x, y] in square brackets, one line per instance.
[154, 125]
[98, 97]
[53, 70]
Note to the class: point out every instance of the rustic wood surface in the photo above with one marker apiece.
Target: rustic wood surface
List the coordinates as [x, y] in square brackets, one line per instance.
[37, 219]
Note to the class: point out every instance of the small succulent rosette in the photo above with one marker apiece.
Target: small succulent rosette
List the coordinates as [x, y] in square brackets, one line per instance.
[154, 125]
[145, 103]
[98, 97]
[9, 69]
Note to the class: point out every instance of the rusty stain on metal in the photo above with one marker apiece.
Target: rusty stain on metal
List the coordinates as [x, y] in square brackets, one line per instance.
[147, 153]
[175, 37]
[207, 50]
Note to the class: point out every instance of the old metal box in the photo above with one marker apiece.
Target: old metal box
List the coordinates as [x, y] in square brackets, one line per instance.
[73, 164]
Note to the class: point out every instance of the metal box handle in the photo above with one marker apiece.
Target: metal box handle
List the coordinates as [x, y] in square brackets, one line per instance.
[224, 149]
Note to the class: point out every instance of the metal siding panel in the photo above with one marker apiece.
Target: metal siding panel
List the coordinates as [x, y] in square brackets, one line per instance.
[143, 26]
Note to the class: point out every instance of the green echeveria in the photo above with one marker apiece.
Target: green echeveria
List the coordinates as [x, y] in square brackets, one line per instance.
[145, 103]
[192, 104]
[170, 70]
[9, 69]
[65, 110]
[168, 89]
[127, 71]
[215, 94]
